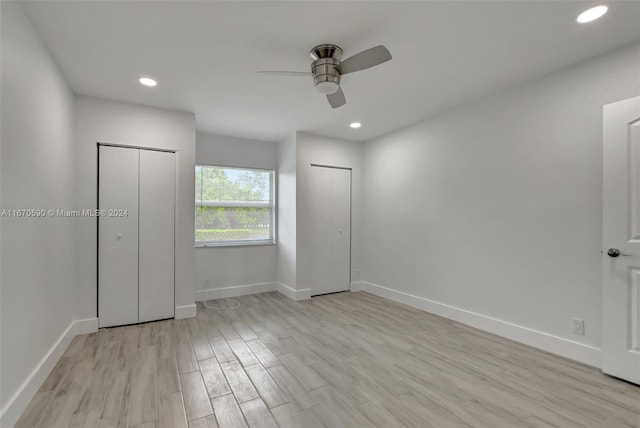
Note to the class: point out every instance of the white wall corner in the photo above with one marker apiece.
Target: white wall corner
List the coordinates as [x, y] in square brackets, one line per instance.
[187, 311]
[18, 402]
[567, 348]
[292, 294]
[235, 291]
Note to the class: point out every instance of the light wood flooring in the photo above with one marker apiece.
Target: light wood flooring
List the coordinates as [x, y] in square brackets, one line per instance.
[342, 360]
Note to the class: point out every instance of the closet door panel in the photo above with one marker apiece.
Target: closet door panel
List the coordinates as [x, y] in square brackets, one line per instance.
[320, 241]
[156, 255]
[118, 237]
[340, 231]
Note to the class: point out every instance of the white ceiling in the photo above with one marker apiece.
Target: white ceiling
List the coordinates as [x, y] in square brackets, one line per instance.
[205, 55]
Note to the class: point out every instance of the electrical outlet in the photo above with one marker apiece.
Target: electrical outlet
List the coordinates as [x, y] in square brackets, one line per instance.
[357, 273]
[207, 283]
[578, 326]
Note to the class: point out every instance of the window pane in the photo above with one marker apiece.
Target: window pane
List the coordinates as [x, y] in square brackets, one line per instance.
[233, 204]
[232, 224]
[231, 184]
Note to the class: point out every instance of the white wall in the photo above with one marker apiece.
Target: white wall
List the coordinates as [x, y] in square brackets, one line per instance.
[496, 207]
[331, 152]
[286, 196]
[131, 125]
[37, 305]
[237, 266]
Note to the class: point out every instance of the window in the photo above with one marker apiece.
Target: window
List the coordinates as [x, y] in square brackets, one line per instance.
[234, 206]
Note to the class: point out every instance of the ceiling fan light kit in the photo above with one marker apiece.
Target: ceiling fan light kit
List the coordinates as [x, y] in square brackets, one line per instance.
[326, 76]
[327, 68]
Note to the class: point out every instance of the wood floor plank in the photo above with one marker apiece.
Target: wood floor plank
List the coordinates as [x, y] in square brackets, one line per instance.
[257, 414]
[143, 405]
[206, 422]
[168, 376]
[244, 331]
[293, 390]
[201, 347]
[266, 386]
[85, 419]
[272, 342]
[214, 379]
[228, 413]
[196, 400]
[117, 395]
[286, 416]
[172, 411]
[377, 415]
[221, 349]
[239, 381]
[186, 358]
[263, 353]
[305, 374]
[61, 410]
[242, 352]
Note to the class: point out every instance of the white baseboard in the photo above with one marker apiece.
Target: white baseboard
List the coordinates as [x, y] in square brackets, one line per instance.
[289, 292]
[18, 402]
[243, 290]
[187, 311]
[234, 291]
[356, 286]
[87, 326]
[547, 342]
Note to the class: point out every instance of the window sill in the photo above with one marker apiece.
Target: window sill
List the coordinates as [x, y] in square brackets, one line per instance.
[233, 244]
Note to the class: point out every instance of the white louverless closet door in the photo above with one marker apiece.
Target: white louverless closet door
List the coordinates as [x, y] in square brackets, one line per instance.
[156, 230]
[118, 237]
[330, 234]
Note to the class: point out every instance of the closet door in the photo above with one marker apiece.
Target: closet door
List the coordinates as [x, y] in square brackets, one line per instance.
[118, 237]
[330, 194]
[156, 230]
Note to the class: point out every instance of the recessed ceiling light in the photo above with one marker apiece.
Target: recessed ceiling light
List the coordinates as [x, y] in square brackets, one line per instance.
[355, 125]
[592, 14]
[147, 81]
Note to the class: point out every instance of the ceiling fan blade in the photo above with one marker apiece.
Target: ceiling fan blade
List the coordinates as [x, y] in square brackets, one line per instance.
[337, 99]
[284, 73]
[365, 59]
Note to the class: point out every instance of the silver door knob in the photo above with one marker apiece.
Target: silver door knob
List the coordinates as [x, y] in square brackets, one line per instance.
[614, 252]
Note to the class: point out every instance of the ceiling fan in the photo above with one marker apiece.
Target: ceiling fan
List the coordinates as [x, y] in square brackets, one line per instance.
[327, 68]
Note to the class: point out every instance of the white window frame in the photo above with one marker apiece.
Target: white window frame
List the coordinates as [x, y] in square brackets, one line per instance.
[241, 204]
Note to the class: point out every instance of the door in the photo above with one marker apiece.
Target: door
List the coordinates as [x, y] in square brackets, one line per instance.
[330, 195]
[118, 237]
[156, 230]
[621, 238]
[136, 241]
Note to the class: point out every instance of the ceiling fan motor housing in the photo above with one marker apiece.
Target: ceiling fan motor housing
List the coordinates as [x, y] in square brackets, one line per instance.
[324, 68]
